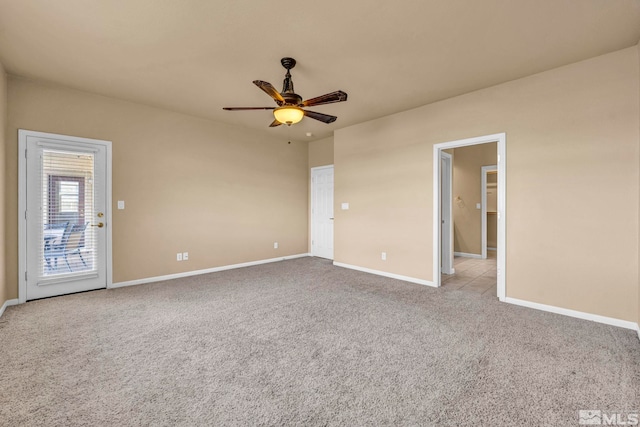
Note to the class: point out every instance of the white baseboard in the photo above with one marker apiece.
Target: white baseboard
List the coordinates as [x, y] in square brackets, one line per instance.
[577, 314]
[6, 304]
[466, 255]
[205, 271]
[385, 274]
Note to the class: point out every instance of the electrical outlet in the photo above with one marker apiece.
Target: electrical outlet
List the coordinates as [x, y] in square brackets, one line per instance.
[384, 256]
[179, 256]
[275, 245]
[185, 256]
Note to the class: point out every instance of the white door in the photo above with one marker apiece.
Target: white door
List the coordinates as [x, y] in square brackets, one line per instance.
[66, 214]
[322, 212]
[446, 196]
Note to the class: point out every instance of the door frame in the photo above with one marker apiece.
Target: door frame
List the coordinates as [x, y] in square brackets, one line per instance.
[22, 202]
[311, 171]
[447, 209]
[483, 185]
[501, 140]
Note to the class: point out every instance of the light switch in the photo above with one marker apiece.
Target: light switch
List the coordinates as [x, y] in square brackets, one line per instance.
[345, 206]
[120, 204]
[478, 206]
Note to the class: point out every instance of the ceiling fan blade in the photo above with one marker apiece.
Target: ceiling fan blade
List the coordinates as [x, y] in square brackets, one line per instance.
[270, 90]
[319, 116]
[274, 124]
[329, 98]
[247, 108]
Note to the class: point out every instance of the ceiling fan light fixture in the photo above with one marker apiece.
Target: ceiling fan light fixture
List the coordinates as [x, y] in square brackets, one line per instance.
[288, 115]
[289, 109]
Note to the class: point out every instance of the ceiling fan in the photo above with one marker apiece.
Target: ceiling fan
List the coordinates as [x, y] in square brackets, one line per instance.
[289, 110]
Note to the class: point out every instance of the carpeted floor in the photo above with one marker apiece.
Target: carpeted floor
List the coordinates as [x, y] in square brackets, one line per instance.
[302, 342]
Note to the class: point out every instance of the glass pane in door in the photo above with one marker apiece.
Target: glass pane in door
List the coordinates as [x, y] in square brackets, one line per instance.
[68, 240]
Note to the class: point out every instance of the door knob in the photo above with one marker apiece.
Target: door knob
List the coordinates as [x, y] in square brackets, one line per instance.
[330, 218]
[99, 225]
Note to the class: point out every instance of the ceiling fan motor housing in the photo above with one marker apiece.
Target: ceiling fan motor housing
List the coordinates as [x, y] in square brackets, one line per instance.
[291, 98]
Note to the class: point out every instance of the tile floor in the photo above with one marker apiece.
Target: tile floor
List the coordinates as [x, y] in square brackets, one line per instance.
[473, 275]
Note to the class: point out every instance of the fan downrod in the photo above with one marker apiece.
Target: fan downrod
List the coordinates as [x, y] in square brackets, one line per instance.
[288, 63]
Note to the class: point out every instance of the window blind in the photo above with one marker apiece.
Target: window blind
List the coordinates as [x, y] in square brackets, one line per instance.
[68, 241]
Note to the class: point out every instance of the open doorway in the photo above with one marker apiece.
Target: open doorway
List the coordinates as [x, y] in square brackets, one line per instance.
[468, 242]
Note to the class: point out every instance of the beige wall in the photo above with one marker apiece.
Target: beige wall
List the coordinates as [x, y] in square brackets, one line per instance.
[5, 290]
[222, 193]
[321, 152]
[467, 181]
[639, 217]
[572, 157]
[492, 230]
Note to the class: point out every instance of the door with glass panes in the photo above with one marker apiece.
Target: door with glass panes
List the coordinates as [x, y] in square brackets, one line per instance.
[66, 221]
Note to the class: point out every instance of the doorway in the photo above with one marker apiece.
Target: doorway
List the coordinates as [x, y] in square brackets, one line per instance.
[500, 139]
[322, 212]
[64, 200]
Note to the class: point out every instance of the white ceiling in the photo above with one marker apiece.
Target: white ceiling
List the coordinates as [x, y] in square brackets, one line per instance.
[197, 56]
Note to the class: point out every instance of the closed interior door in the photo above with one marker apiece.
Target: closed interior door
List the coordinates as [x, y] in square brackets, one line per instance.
[322, 212]
[66, 215]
